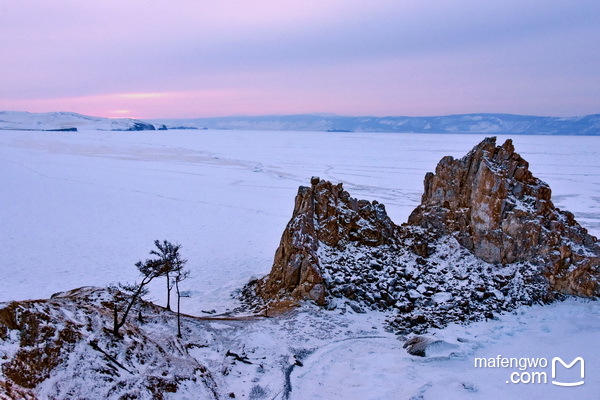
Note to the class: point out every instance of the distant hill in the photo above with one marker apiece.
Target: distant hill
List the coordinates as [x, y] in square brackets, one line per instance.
[465, 123]
[67, 121]
[494, 124]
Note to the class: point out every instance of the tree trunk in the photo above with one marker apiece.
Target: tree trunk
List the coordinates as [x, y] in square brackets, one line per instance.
[115, 319]
[133, 299]
[168, 293]
[178, 308]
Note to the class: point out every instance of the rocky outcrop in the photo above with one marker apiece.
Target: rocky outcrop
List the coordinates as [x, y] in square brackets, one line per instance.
[496, 208]
[140, 126]
[424, 346]
[485, 239]
[61, 348]
[325, 214]
[342, 252]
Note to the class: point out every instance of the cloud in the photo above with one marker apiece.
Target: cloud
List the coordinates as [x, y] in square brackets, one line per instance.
[69, 49]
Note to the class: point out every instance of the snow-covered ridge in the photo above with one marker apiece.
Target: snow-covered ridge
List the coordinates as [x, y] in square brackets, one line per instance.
[465, 123]
[61, 121]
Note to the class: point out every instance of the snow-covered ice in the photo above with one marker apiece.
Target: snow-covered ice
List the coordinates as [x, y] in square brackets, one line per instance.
[376, 367]
[81, 208]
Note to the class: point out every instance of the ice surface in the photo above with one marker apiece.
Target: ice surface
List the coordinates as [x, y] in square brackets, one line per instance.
[376, 367]
[81, 208]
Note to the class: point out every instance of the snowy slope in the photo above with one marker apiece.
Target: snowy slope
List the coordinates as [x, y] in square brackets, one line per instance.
[375, 366]
[20, 120]
[306, 354]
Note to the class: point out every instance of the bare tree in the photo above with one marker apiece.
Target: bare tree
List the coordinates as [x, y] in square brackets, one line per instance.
[180, 275]
[129, 294]
[167, 252]
[169, 264]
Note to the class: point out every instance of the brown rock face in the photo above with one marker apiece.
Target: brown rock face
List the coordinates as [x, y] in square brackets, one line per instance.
[323, 213]
[498, 210]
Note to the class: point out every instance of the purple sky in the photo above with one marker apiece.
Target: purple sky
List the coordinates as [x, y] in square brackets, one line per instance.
[198, 58]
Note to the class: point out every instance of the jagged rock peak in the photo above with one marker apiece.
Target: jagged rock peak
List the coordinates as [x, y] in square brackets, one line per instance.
[323, 213]
[496, 208]
[341, 252]
[485, 239]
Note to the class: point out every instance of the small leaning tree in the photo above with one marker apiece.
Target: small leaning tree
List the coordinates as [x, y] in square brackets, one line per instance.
[168, 263]
[128, 294]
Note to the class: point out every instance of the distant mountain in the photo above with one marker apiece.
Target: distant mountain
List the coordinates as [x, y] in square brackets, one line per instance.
[495, 124]
[465, 123]
[67, 121]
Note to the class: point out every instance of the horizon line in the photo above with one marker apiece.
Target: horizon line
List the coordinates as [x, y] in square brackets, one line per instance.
[314, 114]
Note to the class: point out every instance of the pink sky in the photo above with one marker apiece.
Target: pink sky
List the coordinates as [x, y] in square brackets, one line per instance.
[190, 58]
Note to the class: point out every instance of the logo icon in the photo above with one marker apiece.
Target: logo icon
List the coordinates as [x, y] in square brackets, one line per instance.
[556, 360]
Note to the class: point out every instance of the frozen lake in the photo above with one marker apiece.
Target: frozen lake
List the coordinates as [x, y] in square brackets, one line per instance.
[81, 208]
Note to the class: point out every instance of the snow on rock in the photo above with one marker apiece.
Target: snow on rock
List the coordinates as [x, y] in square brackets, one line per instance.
[466, 254]
[63, 348]
[423, 346]
[323, 213]
[491, 202]
[51, 348]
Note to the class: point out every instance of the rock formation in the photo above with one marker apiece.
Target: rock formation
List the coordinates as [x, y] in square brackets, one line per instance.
[498, 210]
[323, 213]
[141, 126]
[485, 239]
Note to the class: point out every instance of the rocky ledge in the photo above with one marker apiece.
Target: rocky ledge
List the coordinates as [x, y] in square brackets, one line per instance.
[62, 348]
[485, 239]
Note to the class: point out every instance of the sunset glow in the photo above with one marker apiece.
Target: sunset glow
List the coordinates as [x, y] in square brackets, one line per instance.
[384, 58]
